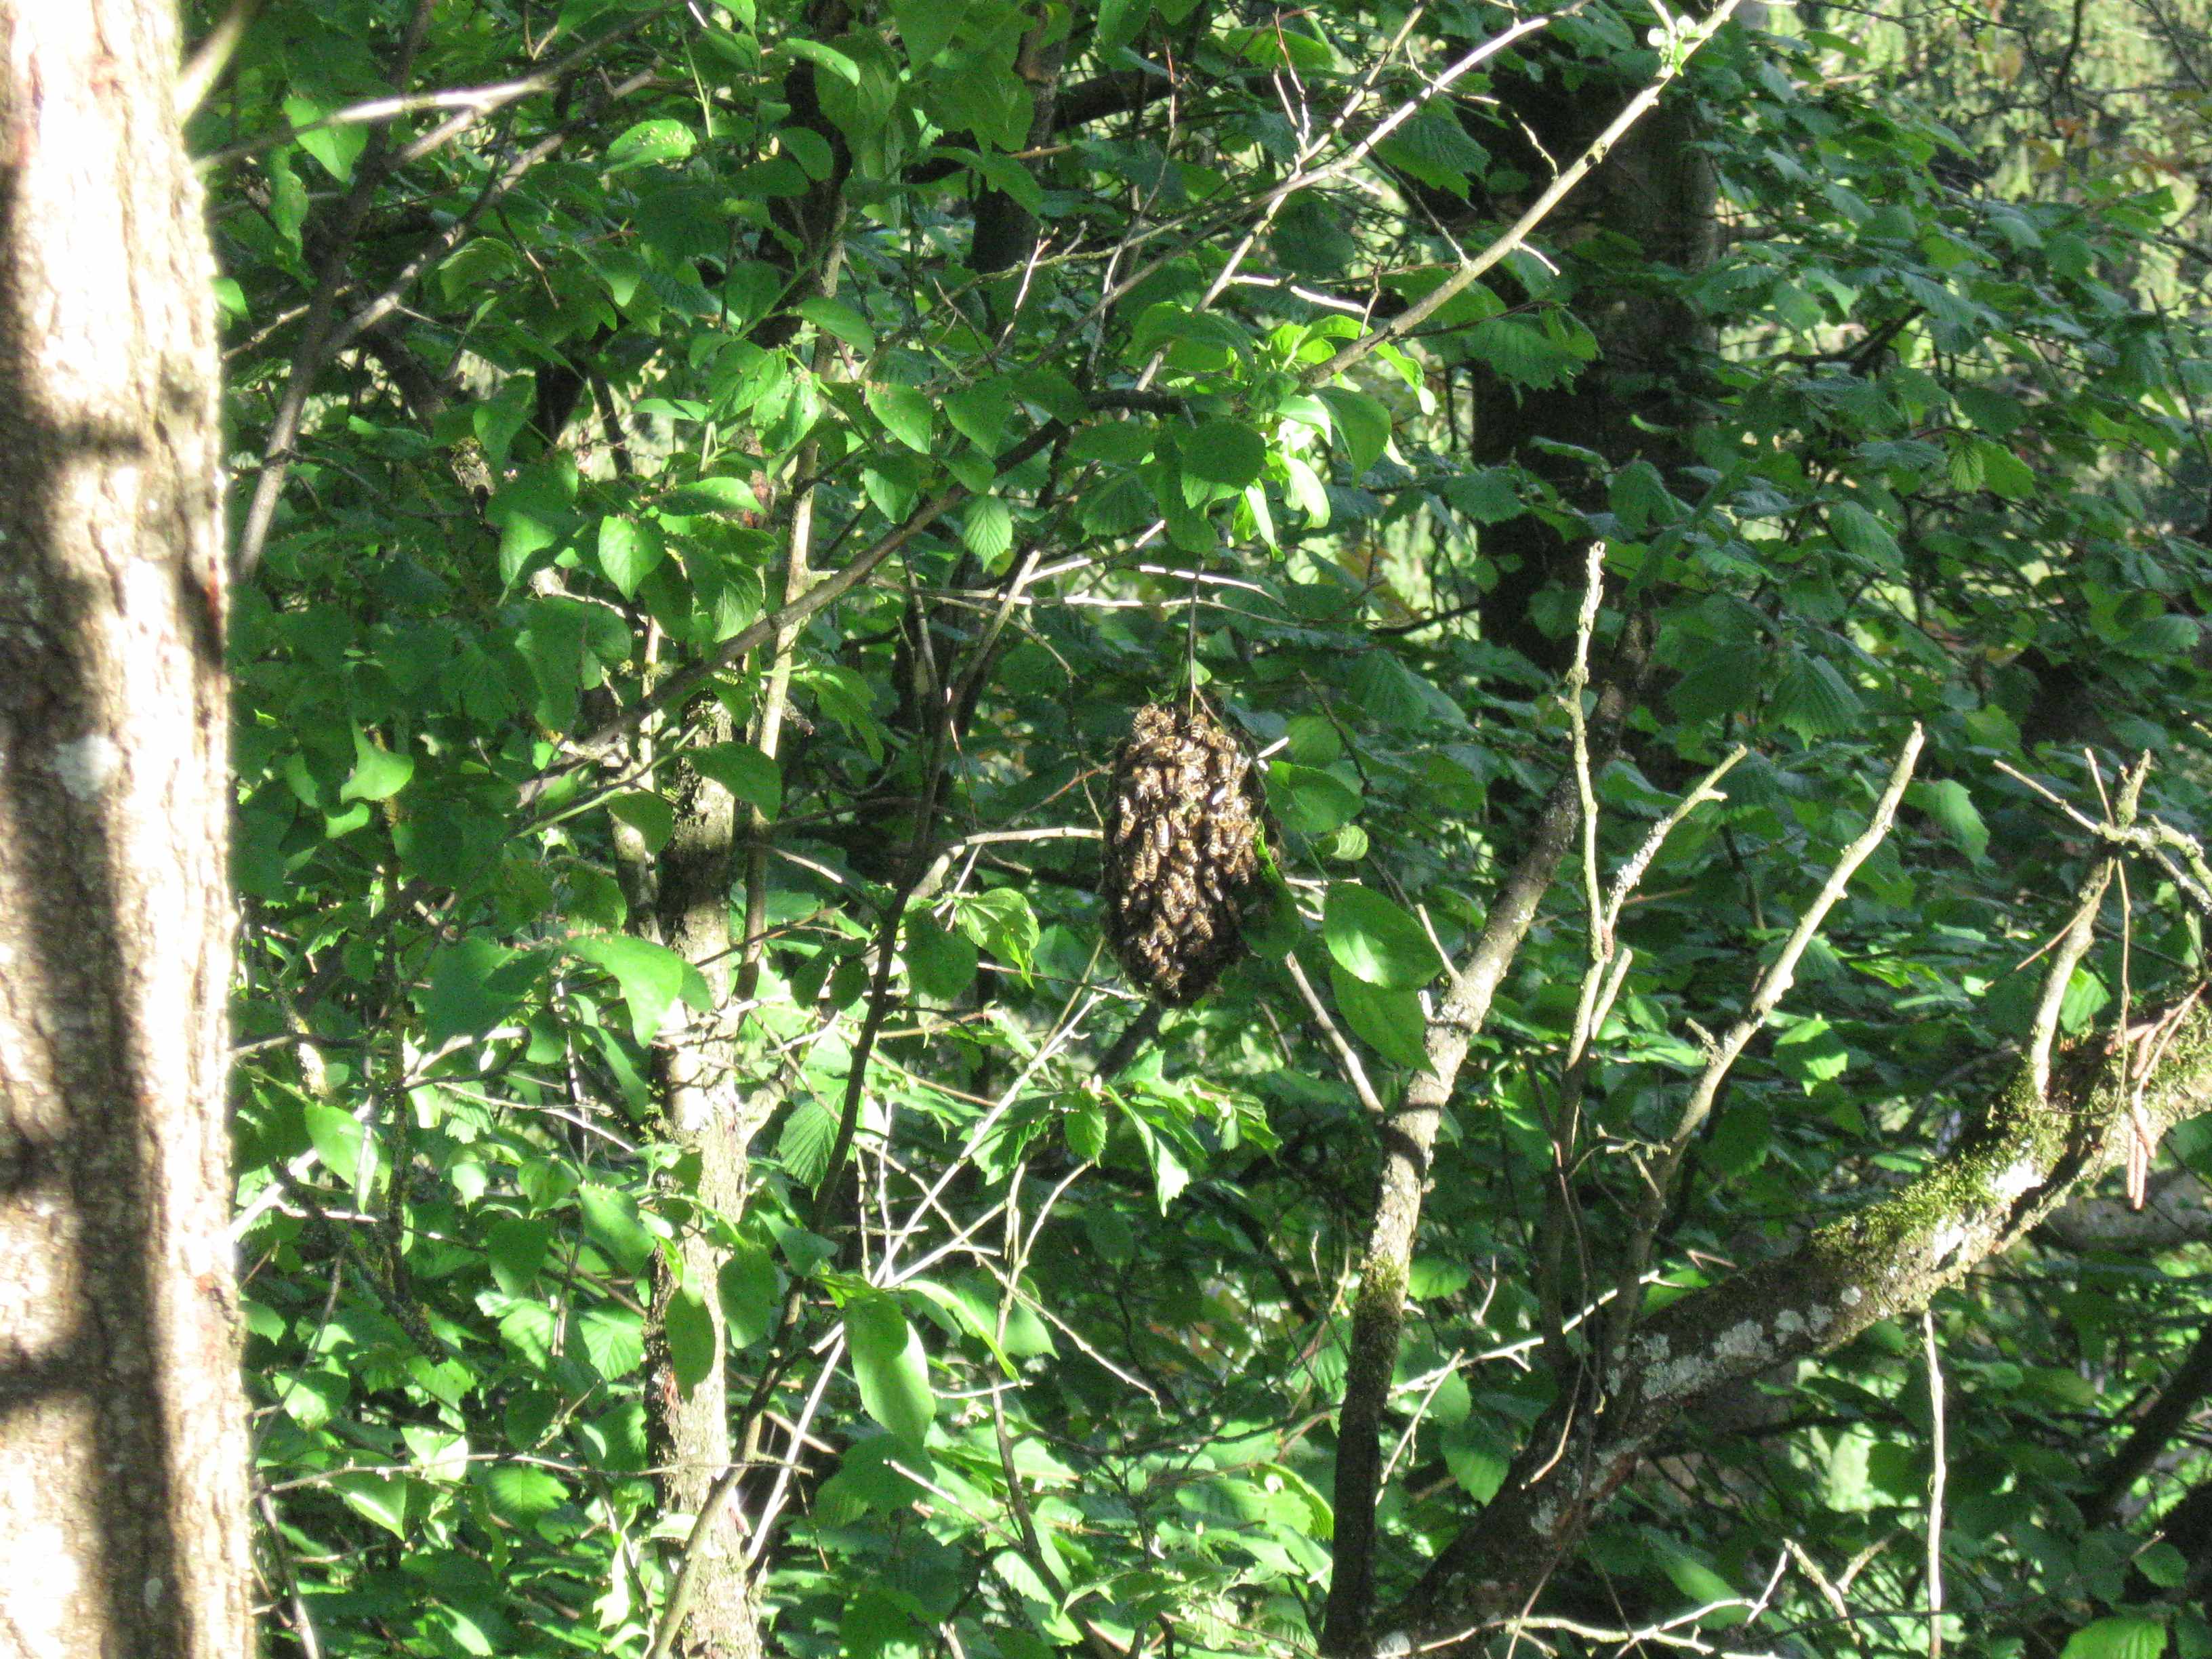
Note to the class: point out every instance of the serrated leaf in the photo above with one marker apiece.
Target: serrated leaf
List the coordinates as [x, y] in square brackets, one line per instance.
[1810, 1051]
[988, 530]
[651, 142]
[516, 1246]
[2122, 1636]
[2163, 1565]
[980, 413]
[1477, 1460]
[381, 1498]
[1122, 505]
[628, 554]
[1375, 940]
[1812, 699]
[523, 1492]
[1859, 532]
[891, 1367]
[614, 1340]
[925, 26]
[804, 1147]
[906, 413]
[720, 494]
[1083, 1123]
[1001, 921]
[1223, 453]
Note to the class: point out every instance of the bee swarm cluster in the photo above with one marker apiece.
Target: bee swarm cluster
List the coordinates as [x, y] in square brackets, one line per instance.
[1182, 853]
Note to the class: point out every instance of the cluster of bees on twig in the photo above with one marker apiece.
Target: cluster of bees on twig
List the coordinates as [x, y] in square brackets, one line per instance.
[1181, 852]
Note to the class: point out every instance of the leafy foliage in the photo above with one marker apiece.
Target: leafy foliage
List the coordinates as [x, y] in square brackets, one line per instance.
[863, 410]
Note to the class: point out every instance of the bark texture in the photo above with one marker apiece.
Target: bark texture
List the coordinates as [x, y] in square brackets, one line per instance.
[123, 1450]
[1656, 190]
[704, 1117]
[2019, 1163]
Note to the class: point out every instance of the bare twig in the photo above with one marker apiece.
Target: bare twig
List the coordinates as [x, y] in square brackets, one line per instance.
[1347, 1056]
[1934, 1485]
[1675, 56]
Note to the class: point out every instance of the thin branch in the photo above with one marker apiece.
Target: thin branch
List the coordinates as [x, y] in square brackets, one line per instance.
[1675, 56]
[1934, 1485]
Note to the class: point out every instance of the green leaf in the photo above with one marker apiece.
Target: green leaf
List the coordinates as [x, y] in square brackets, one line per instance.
[1810, 1051]
[346, 1146]
[745, 771]
[1388, 1022]
[650, 142]
[1223, 453]
[691, 1333]
[1812, 699]
[836, 317]
[1083, 1123]
[927, 27]
[1120, 20]
[378, 773]
[653, 817]
[336, 148]
[1477, 1460]
[1310, 801]
[1858, 532]
[523, 1492]
[891, 1367]
[1001, 921]
[463, 995]
[942, 964]
[827, 57]
[906, 413]
[1362, 422]
[1375, 940]
[517, 1246]
[381, 1498]
[722, 494]
[747, 1285]
[648, 976]
[2163, 1565]
[988, 530]
[628, 554]
[615, 1222]
[2085, 999]
[1702, 1586]
[1950, 803]
[2122, 1636]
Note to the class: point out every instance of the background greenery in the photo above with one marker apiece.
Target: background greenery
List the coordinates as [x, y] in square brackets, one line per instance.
[1018, 322]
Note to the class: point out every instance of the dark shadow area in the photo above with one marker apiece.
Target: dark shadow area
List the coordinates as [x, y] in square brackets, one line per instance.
[75, 1122]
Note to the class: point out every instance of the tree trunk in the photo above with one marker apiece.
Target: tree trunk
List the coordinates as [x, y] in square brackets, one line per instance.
[123, 1450]
[704, 1118]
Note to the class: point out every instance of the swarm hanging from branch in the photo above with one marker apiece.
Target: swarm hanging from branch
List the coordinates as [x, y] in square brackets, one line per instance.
[1182, 852]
